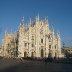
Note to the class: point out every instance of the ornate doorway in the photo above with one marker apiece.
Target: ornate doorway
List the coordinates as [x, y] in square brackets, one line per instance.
[42, 53]
[25, 54]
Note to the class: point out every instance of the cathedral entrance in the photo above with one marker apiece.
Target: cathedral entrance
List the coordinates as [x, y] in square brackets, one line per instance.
[50, 55]
[55, 54]
[32, 54]
[25, 54]
[42, 53]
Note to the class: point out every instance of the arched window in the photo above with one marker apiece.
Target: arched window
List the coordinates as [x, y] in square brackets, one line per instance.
[49, 46]
[32, 45]
[25, 44]
[41, 40]
[55, 46]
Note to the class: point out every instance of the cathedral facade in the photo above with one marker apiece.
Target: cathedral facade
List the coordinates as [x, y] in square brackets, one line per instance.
[34, 40]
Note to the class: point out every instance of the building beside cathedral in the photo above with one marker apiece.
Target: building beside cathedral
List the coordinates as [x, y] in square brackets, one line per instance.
[34, 40]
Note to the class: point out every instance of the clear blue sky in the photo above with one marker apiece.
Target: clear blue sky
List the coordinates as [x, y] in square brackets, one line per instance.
[59, 13]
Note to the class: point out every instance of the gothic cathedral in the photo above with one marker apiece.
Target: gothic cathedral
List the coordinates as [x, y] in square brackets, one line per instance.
[35, 39]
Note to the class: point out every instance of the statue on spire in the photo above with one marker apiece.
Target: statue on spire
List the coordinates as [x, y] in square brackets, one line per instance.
[30, 21]
[21, 27]
[5, 34]
[58, 34]
[22, 22]
[52, 28]
[46, 20]
[37, 18]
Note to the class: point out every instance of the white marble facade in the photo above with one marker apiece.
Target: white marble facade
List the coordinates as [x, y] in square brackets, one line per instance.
[35, 39]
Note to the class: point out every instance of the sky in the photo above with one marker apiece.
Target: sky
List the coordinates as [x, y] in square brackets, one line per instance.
[59, 14]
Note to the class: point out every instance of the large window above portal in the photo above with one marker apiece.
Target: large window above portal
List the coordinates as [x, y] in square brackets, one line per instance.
[41, 40]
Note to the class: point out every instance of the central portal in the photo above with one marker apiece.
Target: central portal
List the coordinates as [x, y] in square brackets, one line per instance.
[42, 53]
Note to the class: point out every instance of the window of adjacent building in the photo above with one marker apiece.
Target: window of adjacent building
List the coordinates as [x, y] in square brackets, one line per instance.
[25, 44]
[41, 40]
[49, 46]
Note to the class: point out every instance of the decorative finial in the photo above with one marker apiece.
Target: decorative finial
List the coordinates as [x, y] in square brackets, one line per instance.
[5, 34]
[23, 19]
[38, 17]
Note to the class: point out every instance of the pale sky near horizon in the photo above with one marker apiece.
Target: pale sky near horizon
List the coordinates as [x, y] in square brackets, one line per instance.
[59, 14]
